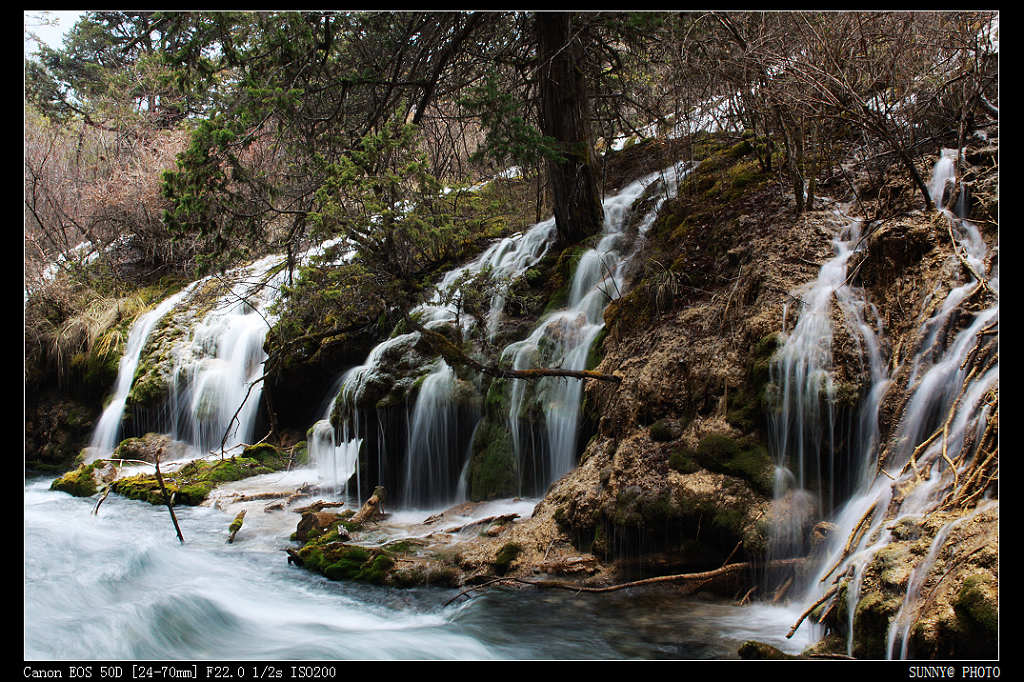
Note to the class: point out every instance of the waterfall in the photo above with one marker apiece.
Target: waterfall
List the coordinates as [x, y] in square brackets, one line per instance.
[434, 426]
[108, 428]
[804, 427]
[213, 368]
[433, 433]
[942, 416]
[563, 338]
[216, 370]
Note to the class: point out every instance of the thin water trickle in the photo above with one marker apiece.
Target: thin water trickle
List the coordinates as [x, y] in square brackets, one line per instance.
[563, 338]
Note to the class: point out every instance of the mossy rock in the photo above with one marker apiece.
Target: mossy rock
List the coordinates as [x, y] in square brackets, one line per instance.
[340, 561]
[759, 651]
[596, 352]
[743, 458]
[95, 371]
[81, 482]
[871, 621]
[665, 430]
[144, 448]
[684, 460]
[267, 455]
[493, 470]
[505, 556]
[431, 574]
[977, 614]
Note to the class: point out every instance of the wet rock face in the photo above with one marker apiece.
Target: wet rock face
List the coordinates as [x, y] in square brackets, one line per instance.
[623, 503]
[314, 524]
[891, 250]
[149, 447]
[56, 430]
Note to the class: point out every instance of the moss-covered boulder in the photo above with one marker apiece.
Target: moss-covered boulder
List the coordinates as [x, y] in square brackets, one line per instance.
[190, 484]
[665, 430]
[759, 651]
[56, 429]
[341, 561]
[84, 481]
[313, 525]
[505, 556]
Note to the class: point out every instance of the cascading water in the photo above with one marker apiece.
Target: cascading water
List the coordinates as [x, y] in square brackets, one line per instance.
[213, 385]
[216, 369]
[108, 428]
[939, 422]
[564, 337]
[434, 462]
[804, 426]
[432, 426]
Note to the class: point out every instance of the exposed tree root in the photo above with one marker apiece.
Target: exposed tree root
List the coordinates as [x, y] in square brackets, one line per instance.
[701, 578]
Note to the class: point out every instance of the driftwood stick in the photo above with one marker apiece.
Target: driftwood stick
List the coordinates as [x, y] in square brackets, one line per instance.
[476, 587]
[852, 541]
[813, 606]
[319, 505]
[96, 509]
[781, 592]
[167, 500]
[373, 509]
[700, 579]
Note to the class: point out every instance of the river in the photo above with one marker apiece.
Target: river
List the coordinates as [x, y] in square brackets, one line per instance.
[119, 586]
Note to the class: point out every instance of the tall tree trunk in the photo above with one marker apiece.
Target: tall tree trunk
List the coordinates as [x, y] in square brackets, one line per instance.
[565, 117]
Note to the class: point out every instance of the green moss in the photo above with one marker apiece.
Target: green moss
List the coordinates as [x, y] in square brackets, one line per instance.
[752, 650]
[493, 470]
[596, 352]
[505, 556]
[338, 561]
[267, 455]
[744, 458]
[80, 482]
[664, 430]
[871, 622]
[684, 460]
[977, 608]
[190, 484]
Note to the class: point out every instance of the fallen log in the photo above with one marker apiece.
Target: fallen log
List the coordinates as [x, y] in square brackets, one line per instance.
[455, 355]
[504, 518]
[236, 526]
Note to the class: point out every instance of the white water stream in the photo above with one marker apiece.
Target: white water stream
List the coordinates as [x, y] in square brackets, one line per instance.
[119, 587]
[937, 376]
